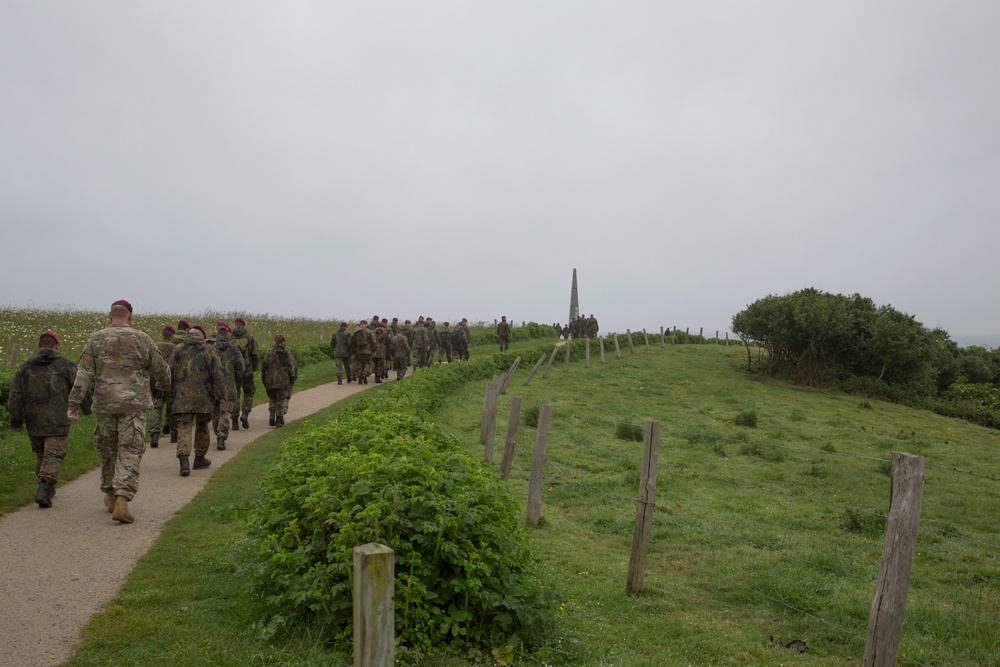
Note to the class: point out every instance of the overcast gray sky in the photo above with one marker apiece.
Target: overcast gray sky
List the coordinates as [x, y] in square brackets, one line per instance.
[330, 159]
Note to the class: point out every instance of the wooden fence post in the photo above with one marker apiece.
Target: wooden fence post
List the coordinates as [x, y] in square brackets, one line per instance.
[701, 335]
[588, 353]
[687, 335]
[673, 335]
[645, 337]
[645, 505]
[534, 370]
[716, 335]
[661, 336]
[618, 349]
[601, 339]
[510, 441]
[631, 347]
[885, 623]
[569, 344]
[15, 355]
[538, 465]
[374, 606]
[727, 339]
[509, 375]
[487, 399]
[551, 359]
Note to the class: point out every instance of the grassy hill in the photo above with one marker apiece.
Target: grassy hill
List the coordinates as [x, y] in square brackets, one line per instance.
[767, 536]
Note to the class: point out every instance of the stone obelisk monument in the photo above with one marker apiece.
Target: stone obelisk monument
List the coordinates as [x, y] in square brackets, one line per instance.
[574, 301]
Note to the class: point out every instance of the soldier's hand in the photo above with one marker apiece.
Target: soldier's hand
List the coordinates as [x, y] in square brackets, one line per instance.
[73, 414]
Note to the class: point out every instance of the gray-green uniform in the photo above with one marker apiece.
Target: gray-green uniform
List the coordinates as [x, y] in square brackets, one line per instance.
[199, 385]
[279, 371]
[246, 344]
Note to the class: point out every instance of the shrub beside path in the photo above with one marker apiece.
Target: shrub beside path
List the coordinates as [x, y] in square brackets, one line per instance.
[60, 566]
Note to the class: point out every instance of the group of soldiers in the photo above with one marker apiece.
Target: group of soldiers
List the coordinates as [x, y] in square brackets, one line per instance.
[377, 346]
[196, 377]
[580, 327]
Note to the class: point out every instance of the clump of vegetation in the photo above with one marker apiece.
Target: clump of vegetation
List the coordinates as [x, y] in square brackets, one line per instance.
[769, 454]
[531, 416]
[629, 430]
[862, 523]
[747, 418]
[464, 574]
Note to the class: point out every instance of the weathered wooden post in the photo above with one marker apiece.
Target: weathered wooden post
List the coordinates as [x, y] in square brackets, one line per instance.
[631, 347]
[510, 441]
[488, 400]
[673, 335]
[551, 359]
[661, 337]
[645, 338]
[645, 505]
[569, 344]
[588, 353]
[15, 355]
[885, 623]
[534, 370]
[687, 335]
[716, 336]
[701, 335]
[727, 339]
[374, 606]
[509, 375]
[538, 465]
[618, 349]
[601, 339]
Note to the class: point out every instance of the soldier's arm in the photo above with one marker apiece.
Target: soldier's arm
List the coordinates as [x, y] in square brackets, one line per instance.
[159, 370]
[254, 355]
[15, 400]
[81, 385]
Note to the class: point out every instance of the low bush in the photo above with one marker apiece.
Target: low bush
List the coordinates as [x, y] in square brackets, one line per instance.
[464, 575]
[627, 430]
[531, 416]
[747, 418]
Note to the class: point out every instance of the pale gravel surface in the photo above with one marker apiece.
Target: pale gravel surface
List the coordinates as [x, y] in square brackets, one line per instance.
[59, 566]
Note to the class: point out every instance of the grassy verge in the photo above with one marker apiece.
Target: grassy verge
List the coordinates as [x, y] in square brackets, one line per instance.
[765, 534]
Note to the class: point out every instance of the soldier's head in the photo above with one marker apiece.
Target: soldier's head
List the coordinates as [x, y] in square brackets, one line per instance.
[48, 340]
[121, 312]
[503, 318]
[197, 330]
[395, 319]
[343, 325]
[168, 332]
[223, 331]
[183, 326]
[360, 325]
[445, 325]
[279, 339]
[240, 322]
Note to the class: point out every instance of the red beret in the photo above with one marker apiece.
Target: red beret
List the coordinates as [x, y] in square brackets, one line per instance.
[381, 325]
[200, 328]
[240, 320]
[407, 322]
[395, 319]
[51, 334]
[184, 323]
[222, 325]
[343, 324]
[123, 302]
[279, 338]
[170, 329]
[445, 324]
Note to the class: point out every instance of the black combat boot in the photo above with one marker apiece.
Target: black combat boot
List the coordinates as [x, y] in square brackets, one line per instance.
[166, 429]
[200, 462]
[279, 421]
[173, 436]
[340, 380]
[44, 495]
[245, 419]
[154, 440]
[185, 466]
[236, 423]
[378, 379]
[270, 419]
[220, 444]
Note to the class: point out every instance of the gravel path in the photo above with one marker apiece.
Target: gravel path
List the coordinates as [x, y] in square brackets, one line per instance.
[59, 566]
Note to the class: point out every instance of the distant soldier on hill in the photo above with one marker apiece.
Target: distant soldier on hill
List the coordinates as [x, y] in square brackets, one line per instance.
[503, 333]
[245, 343]
[39, 398]
[381, 351]
[444, 343]
[418, 343]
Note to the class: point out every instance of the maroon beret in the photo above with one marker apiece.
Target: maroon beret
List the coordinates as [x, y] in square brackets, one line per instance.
[123, 302]
[184, 323]
[343, 324]
[279, 338]
[381, 325]
[170, 329]
[407, 322]
[222, 325]
[445, 324]
[51, 334]
[200, 328]
[240, 320]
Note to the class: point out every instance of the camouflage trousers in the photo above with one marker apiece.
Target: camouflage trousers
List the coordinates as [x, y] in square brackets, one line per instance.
[504, 343]
[156, 415]
[249, 388]
[379, 367]
[362, 365]
[223, 417]
[343, 366]
[444, 350]
[461, 352]
[49, 451]
[121, 441]
[277, 400]
[400, 363]
[192, 431]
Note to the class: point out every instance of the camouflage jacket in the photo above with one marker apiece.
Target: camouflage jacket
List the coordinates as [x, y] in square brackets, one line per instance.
[247, 346]
[198, 380]
[341, 343]
[444, 337]
[363, 341]
[381, 343]
[166, 348]
[232, 367]
[399, 347]
[418, 338]
[39, 394]
[116, 365]
[279, 369]
[503, 330]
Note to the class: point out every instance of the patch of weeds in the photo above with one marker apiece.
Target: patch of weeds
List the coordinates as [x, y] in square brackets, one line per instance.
[627, 430]
[743, 436]
[747, 418]
[769, 454]
[885, 468]
[718, 449]
[797, 416]
[829, 448]
[817, 471]
[531, 416]
[698, 438]
[862, 523]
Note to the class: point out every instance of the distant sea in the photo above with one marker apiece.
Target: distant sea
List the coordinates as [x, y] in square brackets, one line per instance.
[982, 340]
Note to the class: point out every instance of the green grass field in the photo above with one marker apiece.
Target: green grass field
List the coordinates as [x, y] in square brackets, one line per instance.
[763, 535]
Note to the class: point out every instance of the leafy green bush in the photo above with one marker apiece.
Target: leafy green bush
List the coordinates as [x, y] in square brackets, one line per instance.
[747, 418]
[531, 416]
[464, 575]
[312, 353]
[627, 430]
[862, 523]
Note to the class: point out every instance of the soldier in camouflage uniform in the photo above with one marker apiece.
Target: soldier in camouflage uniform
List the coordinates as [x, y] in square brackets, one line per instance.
[399, 348]
[341, 344]
[199, 386]
[503, 333]
[116, 365]
[363, 349]
[381, 351]
[444, 343]
[39, 398]
[418, 343]
[394, 326]
[461, 340]
[232, 373]
[245, 343]
[160, 400]
[279, 371]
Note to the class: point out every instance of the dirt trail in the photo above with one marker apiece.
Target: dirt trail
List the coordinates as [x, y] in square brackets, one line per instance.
[59, 566]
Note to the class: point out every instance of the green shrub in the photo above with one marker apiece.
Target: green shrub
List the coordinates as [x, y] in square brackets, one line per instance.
[747, 418]
[862, 523]
[531, 416]
[464, 575]
[627, 430]
[313, 353]
[770, 454]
